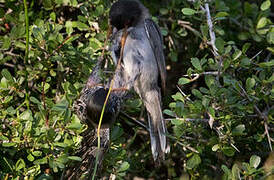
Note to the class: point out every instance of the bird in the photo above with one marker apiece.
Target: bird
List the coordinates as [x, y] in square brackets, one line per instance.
[143, 64]
[88, 108]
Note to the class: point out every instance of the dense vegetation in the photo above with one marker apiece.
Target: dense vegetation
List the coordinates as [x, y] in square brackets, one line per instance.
[219, 105]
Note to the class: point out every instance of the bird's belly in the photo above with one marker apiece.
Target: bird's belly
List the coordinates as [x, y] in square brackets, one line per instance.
[139, 61]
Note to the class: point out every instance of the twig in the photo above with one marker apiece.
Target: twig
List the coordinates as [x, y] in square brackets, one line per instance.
[188, 119]
[61, 45]
[256, 55]
[203, 73]
[212, 40]
[211, 32]
[9, 65]
[183, 93]
[11, 54]
[196, 76]
[186, 25]
[188, 147]
[269, 139]
[135, 120]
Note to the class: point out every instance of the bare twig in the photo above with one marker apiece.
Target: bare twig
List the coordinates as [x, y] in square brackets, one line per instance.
[183, 93]
[211, 32]
[256, 55]
[269, 139]
[186, 25]
[203, 73]
[196, 76]
[135, 120]
[212, 40]
[10, 53]
[9, 65]
[188, 119]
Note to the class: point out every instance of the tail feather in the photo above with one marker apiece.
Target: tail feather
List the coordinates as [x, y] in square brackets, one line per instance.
[157, 126]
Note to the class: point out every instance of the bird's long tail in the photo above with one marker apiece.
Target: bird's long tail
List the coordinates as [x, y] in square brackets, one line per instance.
[157, 125]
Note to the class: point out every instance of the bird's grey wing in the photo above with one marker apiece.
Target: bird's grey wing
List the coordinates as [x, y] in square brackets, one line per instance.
[156, 41]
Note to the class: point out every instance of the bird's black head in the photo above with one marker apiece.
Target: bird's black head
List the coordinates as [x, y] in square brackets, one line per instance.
[125, 13]
[95, 106]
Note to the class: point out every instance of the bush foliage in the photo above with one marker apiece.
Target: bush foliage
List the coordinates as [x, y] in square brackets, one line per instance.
[219, 105]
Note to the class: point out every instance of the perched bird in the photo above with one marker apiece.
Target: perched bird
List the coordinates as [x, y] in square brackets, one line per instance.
[143, 64]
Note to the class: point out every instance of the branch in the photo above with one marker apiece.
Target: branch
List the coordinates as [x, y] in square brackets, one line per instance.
[196, 76]
[135, 120]
[188, 119]
[183, 93]
[211, 32]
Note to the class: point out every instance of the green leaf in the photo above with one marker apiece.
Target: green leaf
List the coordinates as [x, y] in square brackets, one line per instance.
[197, 93]
[37, 153]
[20, 164]
[239, 130]
[183, 81]
[41, 161]
[124, 166]
[246, 47]
[250, 83]
[176, 122]
[8, 144]
[34, 100]
[6, 43]
[60, 107]
[169, 112]
[265, 5]
[163, 11]
[173, 56]
[7, 75]
[52, 16]
[237, 54]
[81, 26]
[215, 147]
[235, 171]
[188, 11]
[262, 22]
[220, 44]
[75, 158]
[47, 4]
[26, 115]
[225, 169]
[229, 151]
[221, 14]
[254, 161]
[267, 64]
[193, 162]
[270, 37]
[30, 157]
[196, 63]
